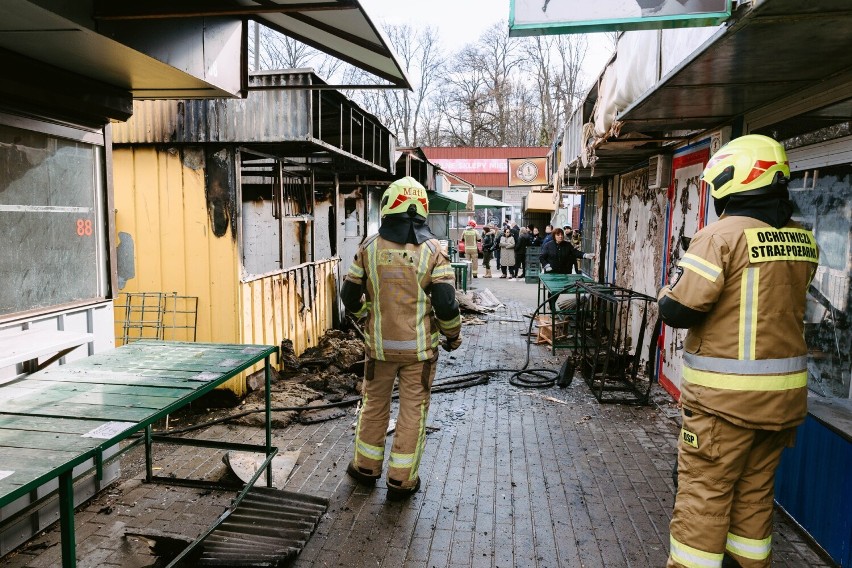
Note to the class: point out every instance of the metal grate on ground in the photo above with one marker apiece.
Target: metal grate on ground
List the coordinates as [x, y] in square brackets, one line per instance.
[268, 528]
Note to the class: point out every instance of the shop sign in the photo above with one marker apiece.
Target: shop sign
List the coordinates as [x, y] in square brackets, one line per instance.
[541, 17]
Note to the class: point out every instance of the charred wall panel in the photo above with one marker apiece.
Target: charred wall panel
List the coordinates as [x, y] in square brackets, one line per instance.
[296, 304]
[221, 190]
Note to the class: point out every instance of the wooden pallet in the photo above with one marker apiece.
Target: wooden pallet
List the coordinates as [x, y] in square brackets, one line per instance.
[546, 330]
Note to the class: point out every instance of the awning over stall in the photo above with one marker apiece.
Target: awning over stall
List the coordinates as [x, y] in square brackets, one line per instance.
[340, 28]
[540, 202]
[774, 50]
[764, 53]
[173, 48]
[457, 201]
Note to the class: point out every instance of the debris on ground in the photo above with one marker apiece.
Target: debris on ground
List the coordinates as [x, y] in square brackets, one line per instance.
[309, 416]
[487, 299]
[472, 320]
[245, 465]
[323, 383]
[159, 543]
[338, 351]
[328, 373]
[478, 301]
[544, 397]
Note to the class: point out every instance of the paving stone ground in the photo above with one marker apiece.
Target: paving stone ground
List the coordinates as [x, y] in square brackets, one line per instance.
[510, 479]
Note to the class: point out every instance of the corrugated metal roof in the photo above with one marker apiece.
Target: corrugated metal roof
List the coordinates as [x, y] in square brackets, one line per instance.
[287, 121]
[485, 153]
[268, 115]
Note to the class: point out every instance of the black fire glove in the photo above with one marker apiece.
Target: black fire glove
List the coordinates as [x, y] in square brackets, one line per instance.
[452, 343]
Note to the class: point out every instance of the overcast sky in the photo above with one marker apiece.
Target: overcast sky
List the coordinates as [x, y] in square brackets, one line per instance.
[463, 21]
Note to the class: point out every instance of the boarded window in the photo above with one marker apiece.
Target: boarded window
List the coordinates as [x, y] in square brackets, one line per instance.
[277, 216]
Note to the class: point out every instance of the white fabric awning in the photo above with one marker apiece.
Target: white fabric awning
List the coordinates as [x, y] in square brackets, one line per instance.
[479, 201]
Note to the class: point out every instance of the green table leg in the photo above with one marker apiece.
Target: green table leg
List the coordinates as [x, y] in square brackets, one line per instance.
[66, 519]
[268, 378]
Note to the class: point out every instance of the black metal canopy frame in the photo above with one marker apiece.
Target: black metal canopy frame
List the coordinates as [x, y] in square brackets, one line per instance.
[610, 361]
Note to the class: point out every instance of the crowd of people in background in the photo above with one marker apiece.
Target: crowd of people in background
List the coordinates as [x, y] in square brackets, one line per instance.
[507, 245]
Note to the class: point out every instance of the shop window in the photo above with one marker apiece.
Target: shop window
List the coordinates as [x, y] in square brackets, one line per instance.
[51, 219]
[823, 199]
[587, 226]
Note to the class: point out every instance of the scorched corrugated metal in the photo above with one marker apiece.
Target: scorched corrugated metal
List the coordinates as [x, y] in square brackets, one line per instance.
[287, 113]
[267, 115]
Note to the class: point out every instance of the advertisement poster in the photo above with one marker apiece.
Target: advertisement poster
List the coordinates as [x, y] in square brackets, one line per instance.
[527, 171]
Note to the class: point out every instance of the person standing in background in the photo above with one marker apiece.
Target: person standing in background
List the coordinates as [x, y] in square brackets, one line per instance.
[535, 237]
[559, 257]
[470, 238]
[548, 235]
[577, 243]
[498, 235]
[487, 249]
[521, 251]
[507, 255]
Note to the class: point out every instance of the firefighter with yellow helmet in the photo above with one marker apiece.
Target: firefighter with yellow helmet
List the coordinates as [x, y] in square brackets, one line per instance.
[403, 283]
[741, 295]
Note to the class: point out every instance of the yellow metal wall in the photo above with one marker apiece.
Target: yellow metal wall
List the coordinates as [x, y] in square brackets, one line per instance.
[295, 304]
[160, 201]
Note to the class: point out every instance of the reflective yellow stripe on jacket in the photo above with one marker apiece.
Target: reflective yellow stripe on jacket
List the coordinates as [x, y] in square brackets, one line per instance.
[422, 301]
[748, 313]
[739, 375]
[702, 267]
[372, 267]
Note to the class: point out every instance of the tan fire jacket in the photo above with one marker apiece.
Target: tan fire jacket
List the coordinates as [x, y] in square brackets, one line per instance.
[746, 361]
[470, 237]
[398, 279]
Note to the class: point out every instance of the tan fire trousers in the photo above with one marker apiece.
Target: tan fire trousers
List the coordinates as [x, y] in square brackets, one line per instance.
[415, 382]
[474, 263]
[726, 478]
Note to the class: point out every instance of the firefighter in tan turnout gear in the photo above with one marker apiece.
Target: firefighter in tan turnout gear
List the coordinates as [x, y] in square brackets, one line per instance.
[742, 297]
[470, 237]
[405, 286]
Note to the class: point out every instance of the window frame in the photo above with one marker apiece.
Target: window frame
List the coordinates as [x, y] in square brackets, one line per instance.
[97, 139]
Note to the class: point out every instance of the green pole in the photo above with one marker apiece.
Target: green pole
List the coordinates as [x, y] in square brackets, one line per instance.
[267, 376]
[66, 519]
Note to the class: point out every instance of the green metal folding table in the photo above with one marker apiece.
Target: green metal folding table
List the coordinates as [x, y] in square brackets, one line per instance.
[550, 284]
[59, 418]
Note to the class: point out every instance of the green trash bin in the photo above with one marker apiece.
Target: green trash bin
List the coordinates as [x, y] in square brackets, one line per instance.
[460, 269]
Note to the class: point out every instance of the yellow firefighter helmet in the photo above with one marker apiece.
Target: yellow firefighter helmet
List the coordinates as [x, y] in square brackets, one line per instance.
[751, 164]
[403, 194]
